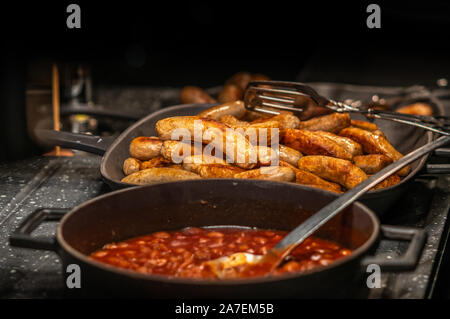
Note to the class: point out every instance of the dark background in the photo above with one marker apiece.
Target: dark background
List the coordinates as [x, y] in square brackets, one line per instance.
[156, 43]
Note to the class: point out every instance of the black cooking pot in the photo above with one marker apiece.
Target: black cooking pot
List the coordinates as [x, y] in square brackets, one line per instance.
[169, 206]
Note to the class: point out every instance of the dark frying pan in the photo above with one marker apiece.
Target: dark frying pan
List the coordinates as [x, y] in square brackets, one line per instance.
[168, 206]
[114, 152]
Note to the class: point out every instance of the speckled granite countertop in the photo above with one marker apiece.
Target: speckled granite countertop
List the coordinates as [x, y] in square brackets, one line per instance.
[24, 187]
[65, 182]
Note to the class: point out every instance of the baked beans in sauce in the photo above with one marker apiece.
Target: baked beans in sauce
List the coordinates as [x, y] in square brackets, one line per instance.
[183, 253]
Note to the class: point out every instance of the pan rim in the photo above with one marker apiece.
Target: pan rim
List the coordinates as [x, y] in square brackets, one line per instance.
[187, 281]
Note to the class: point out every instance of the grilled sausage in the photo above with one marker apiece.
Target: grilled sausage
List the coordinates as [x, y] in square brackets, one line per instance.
[289, 155]
[240, 79]
[236, 108]
[266, 155]
[159, 175]
[348, 144]
[216, 170]
[286, 120]
[131, 165]
[233, 144]
[307, 178]
[333, 123]
[257, 133]
[233, 122]
[375, 144]
[418, 108]
[271, 173]
[333, 169]
[176, 151]
[261, 133]
[259, 77]
[193, 94]
[364, 125]
[372, 163]
[190, 163]
[388, 182]
[253, 115]
[311, 143]
[230, 93]
[144, 148]
[157, 161]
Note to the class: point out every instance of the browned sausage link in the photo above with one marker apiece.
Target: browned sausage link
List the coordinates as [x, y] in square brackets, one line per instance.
[310, 109]
[311, 143]
[157, 161]
[388, 182]
[418, 108]
[176, 151]
[289, 155]
[259, 77]
[364, 125]
[230, 93]
[192, 163]
[348, 144]
[375, 144]
[233, 122]
[240, 79]
[236, 108]
[307, 178]
[193, 94]
[159, 175]
[271, 173]
[261, 133]
[231, 143]
[333, 169]
[285, 119]
[333, 123]
[216, 170]
[253, 115]
[266, 155]
[144, 148]
[372, 163]
[131, 165]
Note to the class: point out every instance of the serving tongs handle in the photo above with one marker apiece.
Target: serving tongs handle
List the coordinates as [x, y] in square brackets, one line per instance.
[438, 125]
[270, 96]
[308, 227]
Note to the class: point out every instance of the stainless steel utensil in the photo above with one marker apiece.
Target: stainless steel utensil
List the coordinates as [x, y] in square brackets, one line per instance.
[270, 96]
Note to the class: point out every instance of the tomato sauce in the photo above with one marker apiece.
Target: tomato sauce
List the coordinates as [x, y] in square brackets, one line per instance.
[183, 253]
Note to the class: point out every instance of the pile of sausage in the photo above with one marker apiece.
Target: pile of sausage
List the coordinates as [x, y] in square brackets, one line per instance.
[233, 89]
[331, 152]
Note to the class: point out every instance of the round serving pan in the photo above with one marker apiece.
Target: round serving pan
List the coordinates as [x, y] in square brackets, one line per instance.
[138, 211]
[404, 138]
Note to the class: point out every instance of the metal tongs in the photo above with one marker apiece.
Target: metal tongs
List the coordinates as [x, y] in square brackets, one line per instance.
[270, 96]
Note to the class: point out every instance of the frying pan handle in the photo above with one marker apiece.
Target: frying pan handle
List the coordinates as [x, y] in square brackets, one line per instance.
[22, 236]
[409, 260]
[83, 142]
[100, 112]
